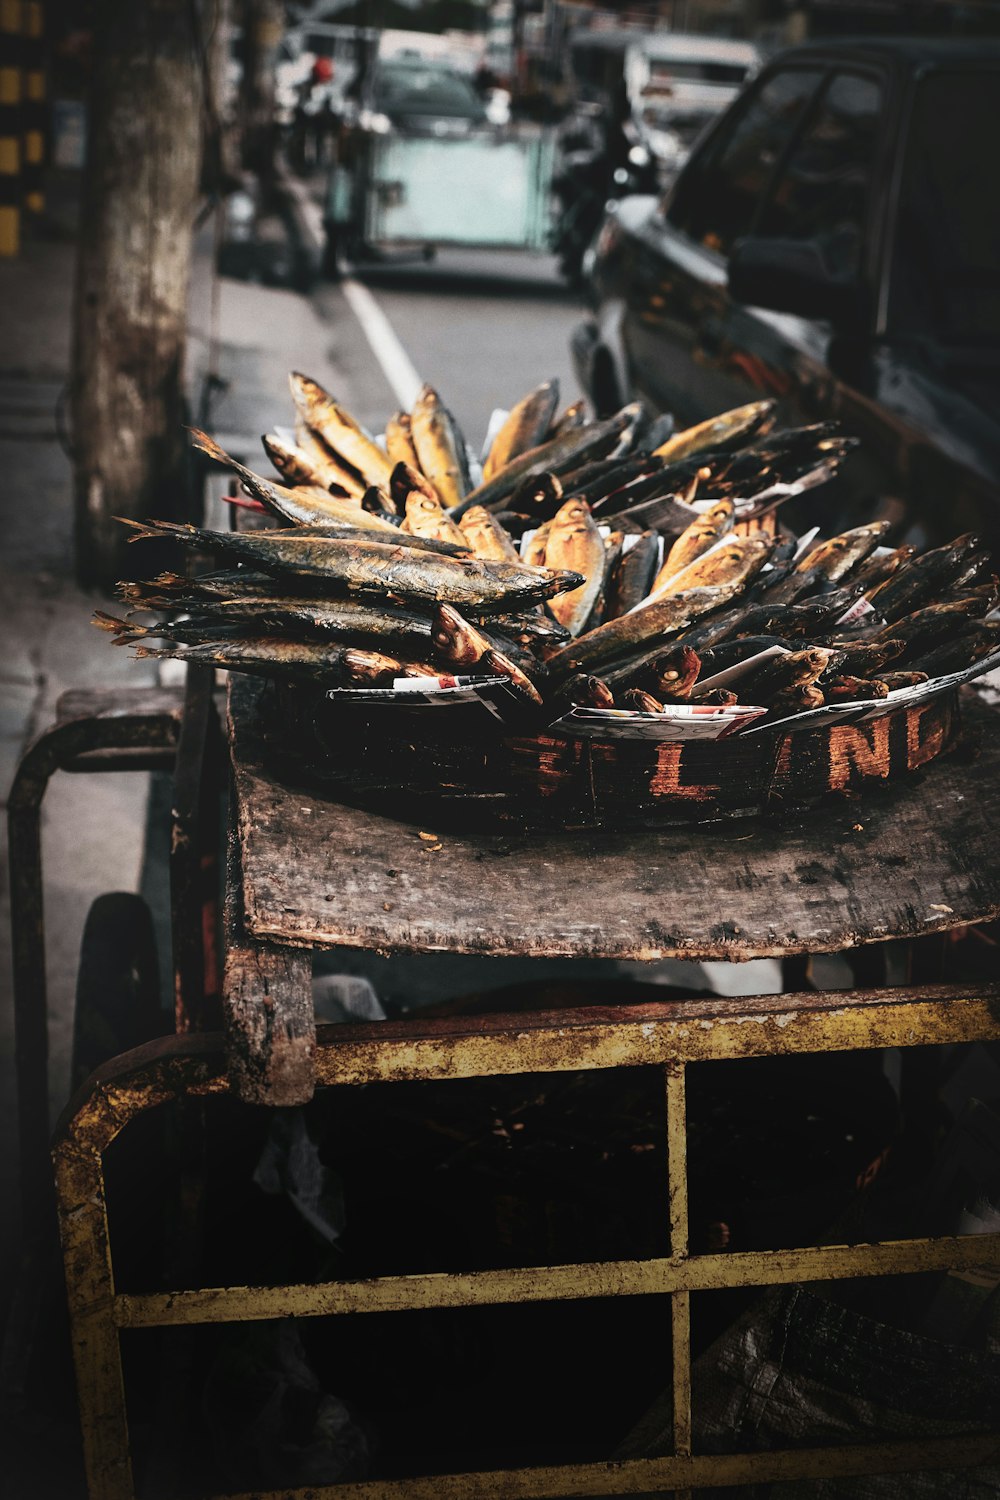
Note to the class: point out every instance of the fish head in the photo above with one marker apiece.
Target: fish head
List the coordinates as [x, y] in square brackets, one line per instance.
[573, 516]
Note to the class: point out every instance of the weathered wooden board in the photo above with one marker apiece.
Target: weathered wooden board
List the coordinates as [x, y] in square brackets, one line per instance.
[912, 857]
[268, 1011]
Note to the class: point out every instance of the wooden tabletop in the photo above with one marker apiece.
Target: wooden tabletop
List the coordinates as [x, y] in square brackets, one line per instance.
[918, 856]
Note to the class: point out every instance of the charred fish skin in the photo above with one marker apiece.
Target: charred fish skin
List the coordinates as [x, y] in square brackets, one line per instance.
[526, 427]
[915, 583]
[641, 702]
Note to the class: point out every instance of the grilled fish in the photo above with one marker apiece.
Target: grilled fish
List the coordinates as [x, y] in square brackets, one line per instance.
[486, 537]
[339, 430]
[574, 542]
[427, 517]
[526, 427]
[378, 568]
[440, 447]
[399, 441]
[724, 430]
[631, 633]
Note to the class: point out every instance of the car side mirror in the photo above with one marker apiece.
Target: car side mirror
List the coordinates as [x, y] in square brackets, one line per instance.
[793, 276]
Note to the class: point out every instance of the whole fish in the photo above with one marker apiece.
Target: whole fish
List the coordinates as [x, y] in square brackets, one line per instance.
[729, 428]
[555, 455]
[486, 537]
[378, 568]
[427, 517]
[297, 466]
[935, 622]
[865, 658]
[399, 441]
[339, 430]
[317, 452]
[780, 673]
[526, 427]
[735, 561]
[632, 575]
[976, 640]
[462, 645]
[694, 540]
[303, 506]
[631, 633]
[834, 559]
[641, 702]
[337, 618]
[278, 656]
[440, 447]
[574, 542]
[919, 579]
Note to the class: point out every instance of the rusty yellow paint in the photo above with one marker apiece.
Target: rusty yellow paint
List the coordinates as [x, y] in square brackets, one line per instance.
[552, 1283]
[651, 1475]
[90, 1289]
[570, 1047]
[680, 1301]
[668, 1036]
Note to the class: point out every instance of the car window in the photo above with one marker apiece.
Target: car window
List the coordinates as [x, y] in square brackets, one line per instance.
[720, 190]
[821, 193]
[945, 275]
[426, 91]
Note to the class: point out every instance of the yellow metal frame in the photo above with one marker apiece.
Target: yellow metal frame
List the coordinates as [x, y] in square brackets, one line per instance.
[668, 1037]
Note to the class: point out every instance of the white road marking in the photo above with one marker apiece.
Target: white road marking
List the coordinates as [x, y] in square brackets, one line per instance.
[385, 345]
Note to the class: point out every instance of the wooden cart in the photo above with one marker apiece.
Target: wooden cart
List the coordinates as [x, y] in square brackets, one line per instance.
[306, 873]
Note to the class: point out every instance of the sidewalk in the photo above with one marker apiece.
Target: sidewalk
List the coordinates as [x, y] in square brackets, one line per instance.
[93, 836]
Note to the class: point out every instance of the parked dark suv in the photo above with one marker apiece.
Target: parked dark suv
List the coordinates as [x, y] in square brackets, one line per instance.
[833, 241]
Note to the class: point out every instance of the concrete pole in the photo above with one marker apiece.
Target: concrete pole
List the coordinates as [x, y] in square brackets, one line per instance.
[139, 199]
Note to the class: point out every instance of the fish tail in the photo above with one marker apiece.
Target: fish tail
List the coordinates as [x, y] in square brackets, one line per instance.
[156, 651]
[111, 623]
[205, 444]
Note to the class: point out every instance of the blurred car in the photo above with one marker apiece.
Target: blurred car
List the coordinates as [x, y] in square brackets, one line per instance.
[676, 85]
[834, 242]
[417, 96]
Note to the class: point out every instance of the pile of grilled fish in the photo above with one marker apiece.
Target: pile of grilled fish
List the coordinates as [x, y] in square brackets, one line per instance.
[600, 564]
